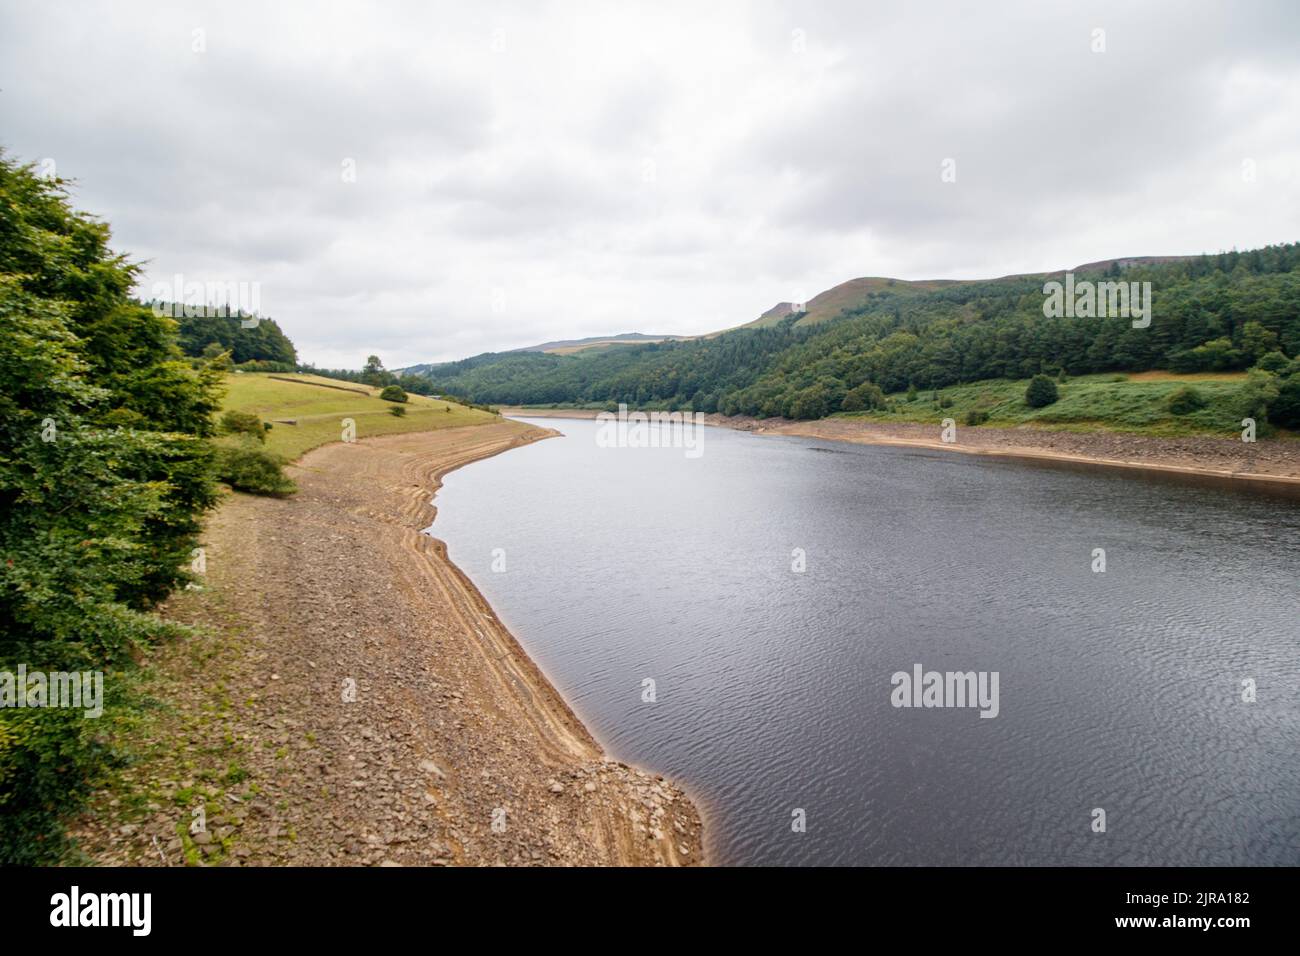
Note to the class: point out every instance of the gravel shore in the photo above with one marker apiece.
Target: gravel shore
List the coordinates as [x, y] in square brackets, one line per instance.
[356, 701]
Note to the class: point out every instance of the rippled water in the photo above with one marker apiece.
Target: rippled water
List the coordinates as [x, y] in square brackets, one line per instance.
[1119, 690]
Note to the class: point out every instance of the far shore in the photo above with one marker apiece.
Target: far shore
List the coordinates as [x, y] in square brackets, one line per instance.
[1268, 466]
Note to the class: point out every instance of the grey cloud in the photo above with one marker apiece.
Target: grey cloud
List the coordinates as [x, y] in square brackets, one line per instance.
[783, 162]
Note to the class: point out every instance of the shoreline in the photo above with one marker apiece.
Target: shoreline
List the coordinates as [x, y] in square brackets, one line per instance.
[355, 700]
[1173, 459]
[693, 802]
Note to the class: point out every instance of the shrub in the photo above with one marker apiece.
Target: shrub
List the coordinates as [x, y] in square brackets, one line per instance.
[247, 466]
[1184, 401]
[263, 365]
[105, 471]
[1285, 410]
[242, 423]
[393, 393]
[976, 416]
[864, 397]
[397, 411]
[1260, 392]
[808, 404]
[46, 758]
[1272, 362]
[1041, 392]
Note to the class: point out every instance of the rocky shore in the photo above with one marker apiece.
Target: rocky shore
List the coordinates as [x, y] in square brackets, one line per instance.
[355, 701]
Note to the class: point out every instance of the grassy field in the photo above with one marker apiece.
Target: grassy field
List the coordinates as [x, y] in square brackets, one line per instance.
[319, 405]
[1116, 402]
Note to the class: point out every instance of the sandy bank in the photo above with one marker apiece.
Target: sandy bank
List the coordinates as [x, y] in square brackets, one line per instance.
[1271, 467]
[454, 749]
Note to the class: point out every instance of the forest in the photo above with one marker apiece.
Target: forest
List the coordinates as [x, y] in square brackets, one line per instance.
[246, 338]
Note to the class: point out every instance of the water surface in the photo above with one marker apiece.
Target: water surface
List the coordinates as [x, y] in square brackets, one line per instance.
[1119, 690]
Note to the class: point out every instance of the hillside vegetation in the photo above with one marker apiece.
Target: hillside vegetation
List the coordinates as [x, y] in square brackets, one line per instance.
[1210, 314]
[1117, 402]
[117, 424]
[105, 473]
[306, 411]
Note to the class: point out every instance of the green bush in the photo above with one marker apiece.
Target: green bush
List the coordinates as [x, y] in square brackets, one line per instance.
[105, 472]
[397, 411]
[812, 402]
[393, 393]
[1184, 401]
[976, 416]
[1041, 392]
[864, 397]
[246, 466]
[47, 757]
[1285, 409]
[1257, 396]
[1273, 362]
[242, 423]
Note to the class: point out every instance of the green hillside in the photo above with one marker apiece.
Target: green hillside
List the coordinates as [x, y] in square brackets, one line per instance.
[1209, 314]
[306, 411]
[1111, 401]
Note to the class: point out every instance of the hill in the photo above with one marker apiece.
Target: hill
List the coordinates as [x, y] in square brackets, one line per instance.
[306, 410]
[842, 298]
[564, 347]
[1220, 313]
[856, 293]
[569, 346]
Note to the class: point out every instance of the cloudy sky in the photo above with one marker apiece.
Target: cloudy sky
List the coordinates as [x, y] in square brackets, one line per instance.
[532, 171]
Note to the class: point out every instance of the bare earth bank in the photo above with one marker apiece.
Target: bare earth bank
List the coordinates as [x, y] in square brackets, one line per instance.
[453, 728]
[1271, 466]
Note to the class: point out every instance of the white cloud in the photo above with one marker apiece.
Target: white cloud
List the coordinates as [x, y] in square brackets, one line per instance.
[531, 172]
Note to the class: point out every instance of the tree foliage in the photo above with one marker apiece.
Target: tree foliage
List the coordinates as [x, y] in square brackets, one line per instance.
[262, 341]
[1041, 392]
[105, 472]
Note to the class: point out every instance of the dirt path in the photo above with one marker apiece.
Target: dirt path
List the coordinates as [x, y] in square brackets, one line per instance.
[452, 728]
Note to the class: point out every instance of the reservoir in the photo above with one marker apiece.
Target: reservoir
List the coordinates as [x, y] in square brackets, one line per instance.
[742, 621]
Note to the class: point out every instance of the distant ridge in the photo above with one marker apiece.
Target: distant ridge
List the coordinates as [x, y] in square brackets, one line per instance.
[853, 294]
[827, 305]
[846, 295]
[595, 341]
[566, 347]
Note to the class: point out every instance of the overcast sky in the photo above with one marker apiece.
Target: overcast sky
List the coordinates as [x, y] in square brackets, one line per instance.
[529, 171]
